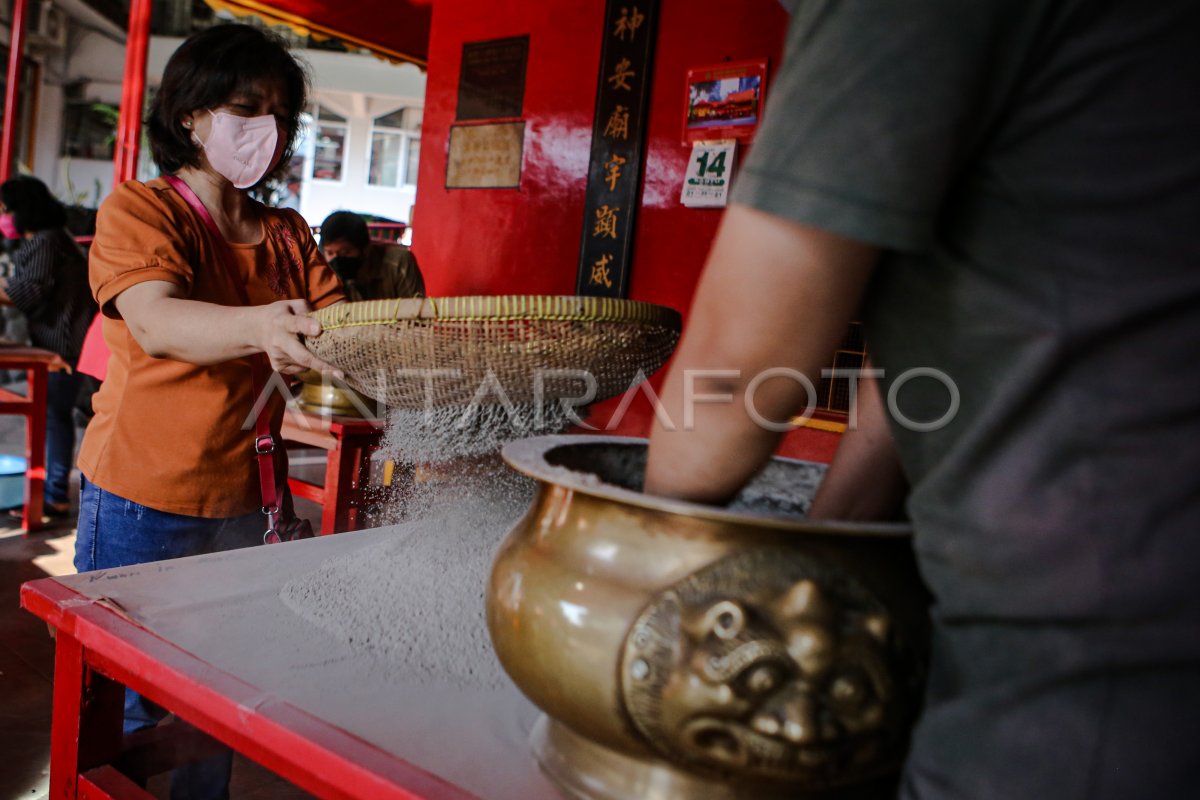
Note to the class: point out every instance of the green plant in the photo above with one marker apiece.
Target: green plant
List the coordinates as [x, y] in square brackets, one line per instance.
[112, 116]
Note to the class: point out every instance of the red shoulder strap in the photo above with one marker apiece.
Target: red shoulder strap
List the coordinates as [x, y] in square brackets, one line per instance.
[264, 442]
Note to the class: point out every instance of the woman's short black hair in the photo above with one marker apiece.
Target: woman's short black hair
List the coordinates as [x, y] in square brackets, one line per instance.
[31, 204]
[345, 226]
[206, 70]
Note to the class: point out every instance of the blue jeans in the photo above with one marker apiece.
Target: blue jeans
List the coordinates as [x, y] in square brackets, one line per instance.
[115, 532]
[61, 391]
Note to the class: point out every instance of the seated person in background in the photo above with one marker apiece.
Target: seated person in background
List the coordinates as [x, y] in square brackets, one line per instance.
[49, 285]
[370, 270]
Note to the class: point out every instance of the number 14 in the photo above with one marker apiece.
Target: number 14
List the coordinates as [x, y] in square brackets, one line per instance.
[716, 168]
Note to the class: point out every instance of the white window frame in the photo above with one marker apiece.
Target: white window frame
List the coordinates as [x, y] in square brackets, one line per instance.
[315, 135]
[407, 138]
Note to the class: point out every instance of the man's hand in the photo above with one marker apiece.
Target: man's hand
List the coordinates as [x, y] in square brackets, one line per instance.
[865, 481]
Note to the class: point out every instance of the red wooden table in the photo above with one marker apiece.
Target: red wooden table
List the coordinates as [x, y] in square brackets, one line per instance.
[350, 442]
[202, 636]
[36, 363]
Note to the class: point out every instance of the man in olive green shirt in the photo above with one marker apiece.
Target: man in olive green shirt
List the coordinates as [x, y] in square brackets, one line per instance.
[370, 270]
[1007, 192]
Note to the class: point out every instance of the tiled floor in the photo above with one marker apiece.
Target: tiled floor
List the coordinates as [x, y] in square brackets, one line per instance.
[27, 660]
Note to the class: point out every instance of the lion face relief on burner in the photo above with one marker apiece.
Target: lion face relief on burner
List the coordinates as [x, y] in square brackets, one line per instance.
[769, 667]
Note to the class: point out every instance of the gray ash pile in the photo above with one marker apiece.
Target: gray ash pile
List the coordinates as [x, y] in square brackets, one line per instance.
[415, 602]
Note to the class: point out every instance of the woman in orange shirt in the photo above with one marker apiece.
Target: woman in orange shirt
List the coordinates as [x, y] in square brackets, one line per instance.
[196, 281]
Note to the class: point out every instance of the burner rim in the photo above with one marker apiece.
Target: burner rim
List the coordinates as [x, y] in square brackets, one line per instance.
[529, 457]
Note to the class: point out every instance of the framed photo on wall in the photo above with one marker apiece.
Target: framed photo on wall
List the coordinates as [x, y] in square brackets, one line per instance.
[724, 101]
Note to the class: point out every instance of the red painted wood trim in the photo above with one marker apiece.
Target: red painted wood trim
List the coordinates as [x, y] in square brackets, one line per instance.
[307, 489]
[12, 123]
[311, 753]
[32, 406]
[133, 93]
[67, 715]
[35, 450]
[349, 442]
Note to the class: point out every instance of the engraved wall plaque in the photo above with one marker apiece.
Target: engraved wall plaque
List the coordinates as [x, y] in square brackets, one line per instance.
[485, 156]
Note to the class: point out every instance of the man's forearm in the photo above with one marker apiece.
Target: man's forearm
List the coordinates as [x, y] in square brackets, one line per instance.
[865, 481]
[775, 296]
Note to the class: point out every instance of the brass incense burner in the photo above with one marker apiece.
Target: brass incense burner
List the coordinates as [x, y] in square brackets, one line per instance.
[319, 395]
[688, 651]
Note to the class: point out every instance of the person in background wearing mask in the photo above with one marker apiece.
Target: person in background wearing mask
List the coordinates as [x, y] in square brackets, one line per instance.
[369, 270]
[169, 464]
[49, 285]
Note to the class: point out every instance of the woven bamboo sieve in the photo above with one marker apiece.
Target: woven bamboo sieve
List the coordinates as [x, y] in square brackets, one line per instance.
[524, 344]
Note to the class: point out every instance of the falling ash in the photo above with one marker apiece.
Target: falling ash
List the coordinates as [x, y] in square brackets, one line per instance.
[415, 601]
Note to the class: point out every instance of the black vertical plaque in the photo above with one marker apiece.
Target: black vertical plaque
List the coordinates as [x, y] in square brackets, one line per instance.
[491, 80]
[618, 129]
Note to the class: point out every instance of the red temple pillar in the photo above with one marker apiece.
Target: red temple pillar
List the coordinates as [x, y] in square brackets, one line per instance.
[16, 46]
[129, 127]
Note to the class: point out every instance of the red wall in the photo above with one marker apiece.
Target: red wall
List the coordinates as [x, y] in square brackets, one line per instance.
[526, 240]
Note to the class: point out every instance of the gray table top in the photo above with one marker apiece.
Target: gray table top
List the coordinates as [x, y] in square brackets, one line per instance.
[225, 609]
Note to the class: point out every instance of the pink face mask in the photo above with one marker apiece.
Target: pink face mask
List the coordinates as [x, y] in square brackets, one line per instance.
[241, 148]
[8, 227]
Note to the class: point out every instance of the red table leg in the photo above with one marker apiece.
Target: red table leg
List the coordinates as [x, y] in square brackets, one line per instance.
[35, 449]
[337, 470]
[347, 472]
[349, 444]
[86, 727]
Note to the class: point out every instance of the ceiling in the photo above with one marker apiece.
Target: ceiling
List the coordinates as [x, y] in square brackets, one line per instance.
[395, 29]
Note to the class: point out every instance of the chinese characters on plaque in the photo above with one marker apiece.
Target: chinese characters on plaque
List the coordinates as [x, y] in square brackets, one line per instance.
[614, 170]
[485, 156]
[491, 80]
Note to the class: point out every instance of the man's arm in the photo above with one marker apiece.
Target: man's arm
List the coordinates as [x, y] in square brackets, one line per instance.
[399, 275]
[774, 294]
[412, 284]
[865, 481]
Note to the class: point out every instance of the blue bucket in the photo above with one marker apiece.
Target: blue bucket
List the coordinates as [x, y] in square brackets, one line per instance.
[12, 481]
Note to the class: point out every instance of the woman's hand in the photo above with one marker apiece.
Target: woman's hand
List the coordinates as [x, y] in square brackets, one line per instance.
[278, 327]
